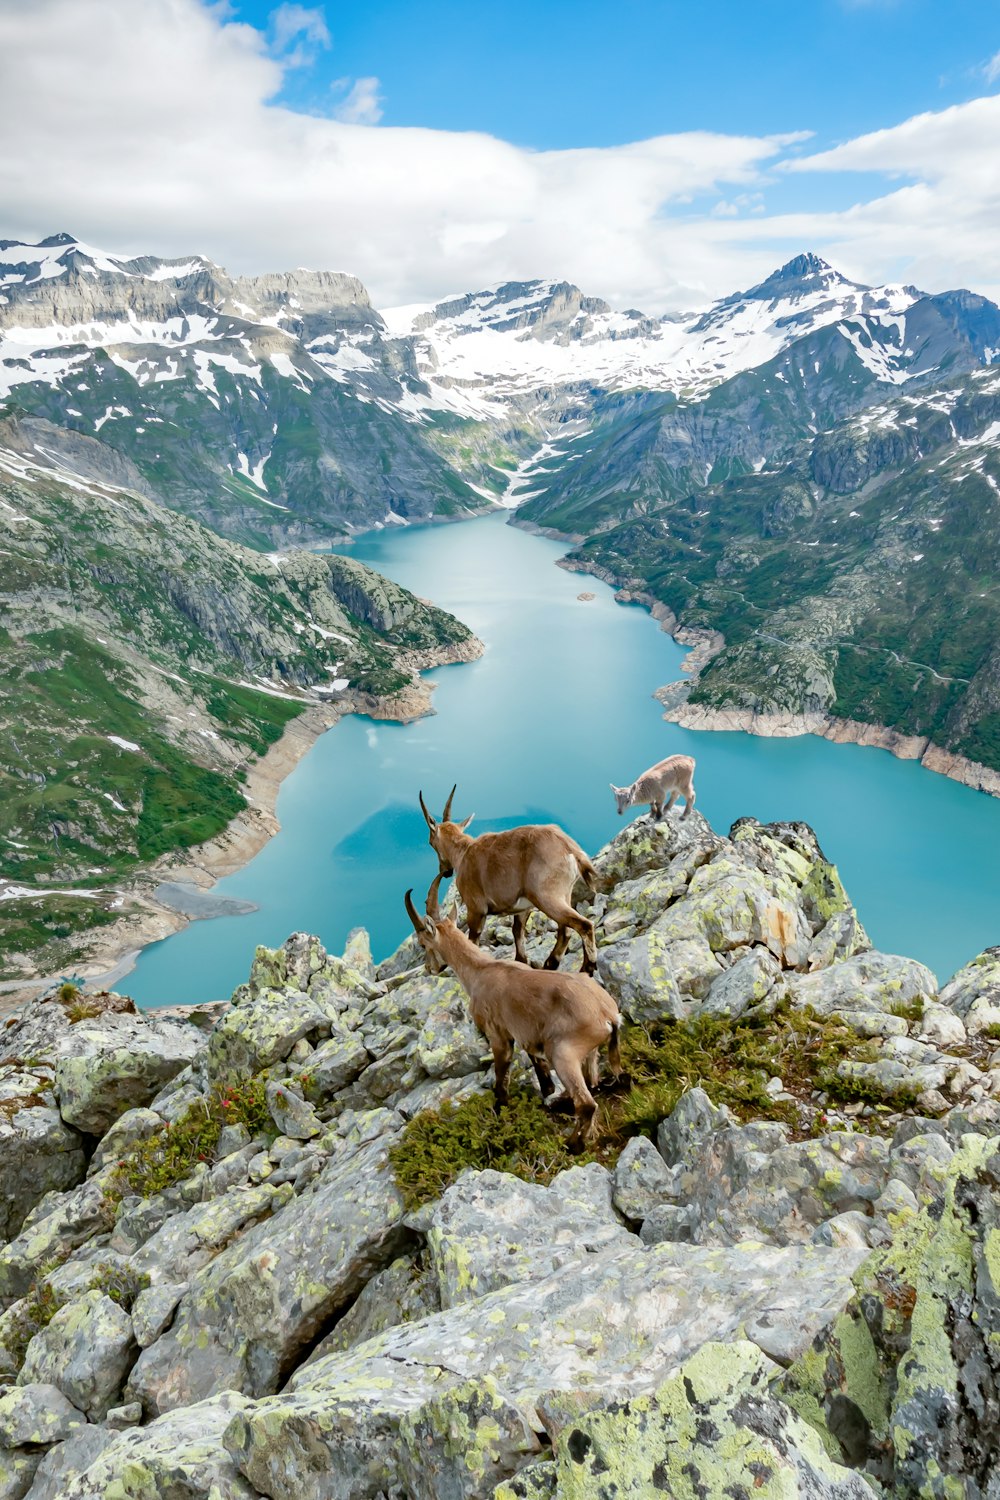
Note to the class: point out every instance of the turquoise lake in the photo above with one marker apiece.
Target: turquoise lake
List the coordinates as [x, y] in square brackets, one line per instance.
[559, 706]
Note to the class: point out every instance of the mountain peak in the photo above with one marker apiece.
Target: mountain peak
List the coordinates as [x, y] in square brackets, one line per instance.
[62, 238]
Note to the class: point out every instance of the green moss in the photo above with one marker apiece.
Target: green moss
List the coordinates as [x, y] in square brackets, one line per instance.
[171, 1154]
[731, 1060]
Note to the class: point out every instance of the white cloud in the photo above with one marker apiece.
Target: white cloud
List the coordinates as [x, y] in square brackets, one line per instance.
[208, 162]
[362, 104]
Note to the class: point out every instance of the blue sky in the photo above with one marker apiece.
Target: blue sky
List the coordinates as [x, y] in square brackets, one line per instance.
[657, 154]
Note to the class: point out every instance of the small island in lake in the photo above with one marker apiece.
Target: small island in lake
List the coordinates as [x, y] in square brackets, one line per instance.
[586, 596]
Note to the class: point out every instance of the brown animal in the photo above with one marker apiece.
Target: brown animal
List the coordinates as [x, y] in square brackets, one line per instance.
[672, 776]
[503, 874]
[559, 1019]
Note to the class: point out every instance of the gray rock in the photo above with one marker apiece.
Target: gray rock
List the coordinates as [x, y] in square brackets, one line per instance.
[694, 1118]
[865, 983]
[974, 993]
[751, 980]
[68, 1460]
[37, 1415]
[121, 1417]
[351, 1413]
[289, 1111]
[86, 1351]
[128, 1130]
[333, 1064]
[17, 1470]
[712, 1430]
[180, 1455]
[40, 1153]
[119, 1063]
[490, 1229]
[402, 1293]
[641, 1179]
[251, 1310]
[668, 1223]
[60, 1224]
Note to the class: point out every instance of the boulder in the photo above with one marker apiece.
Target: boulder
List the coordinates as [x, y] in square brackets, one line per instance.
[40, 1153]
[973, 994]
[711, 1432]
[85, 1351]
[38, 1415]
[353, 1414]
[119, 1062]
[490, 1229]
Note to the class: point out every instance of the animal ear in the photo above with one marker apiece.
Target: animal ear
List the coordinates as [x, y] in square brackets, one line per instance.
[465, 823]
[613, 787]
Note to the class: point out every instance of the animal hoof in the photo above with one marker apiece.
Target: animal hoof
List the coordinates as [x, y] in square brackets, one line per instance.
[558, 1103]
[551, 963]
[574, 1146]
[498, 1105]
[586, 968]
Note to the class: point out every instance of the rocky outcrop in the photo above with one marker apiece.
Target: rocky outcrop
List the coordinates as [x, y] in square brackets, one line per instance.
[776, 1272]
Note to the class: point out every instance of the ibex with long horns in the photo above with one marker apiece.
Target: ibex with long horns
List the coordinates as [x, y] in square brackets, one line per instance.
[506, 874]
[559, 1019]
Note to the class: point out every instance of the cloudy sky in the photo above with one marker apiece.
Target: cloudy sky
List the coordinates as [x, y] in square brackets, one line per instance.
[656, 152]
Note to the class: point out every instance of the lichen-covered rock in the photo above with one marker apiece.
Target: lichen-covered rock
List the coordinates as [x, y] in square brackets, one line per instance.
[37, 1415]
[55, 1228]
[179, 1456]
[491, 1229]
[681, 1136]
[289, 1111]
[40, 1154]
[120, 1062]
[903, 1382]
[618, 1320]
[641, 1179]
[405, 1291]
[17, 1470]
[128, 1130]
[866, 983]
[973, 993]
[256, 1033]
[750, 981]
[711, 1432]
[334, 1063]
[68, 1460]
[86, 1351]
[252, 1309]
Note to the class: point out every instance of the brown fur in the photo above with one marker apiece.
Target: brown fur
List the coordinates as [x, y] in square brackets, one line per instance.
[666, 780]
[559, 1019]
[503, 874]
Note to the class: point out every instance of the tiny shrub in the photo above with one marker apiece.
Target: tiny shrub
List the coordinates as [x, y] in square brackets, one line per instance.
[731, 1060]
[172, 1153]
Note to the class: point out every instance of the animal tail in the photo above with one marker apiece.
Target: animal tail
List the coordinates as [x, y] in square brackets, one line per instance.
[587, 872]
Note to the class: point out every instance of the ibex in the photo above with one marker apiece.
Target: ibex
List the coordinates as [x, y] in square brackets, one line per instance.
[675, 775]
[559, 1019]
[503, 874]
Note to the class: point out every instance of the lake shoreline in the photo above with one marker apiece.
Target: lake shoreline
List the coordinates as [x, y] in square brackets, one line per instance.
[111, 952]
[704, 644]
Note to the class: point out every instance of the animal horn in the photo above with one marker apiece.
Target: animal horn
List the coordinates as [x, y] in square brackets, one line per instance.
[432, 899]
[412, 913]
[447, 807]
[423, 808]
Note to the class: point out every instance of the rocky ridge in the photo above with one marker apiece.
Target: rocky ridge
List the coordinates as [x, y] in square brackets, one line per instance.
[243, 1259]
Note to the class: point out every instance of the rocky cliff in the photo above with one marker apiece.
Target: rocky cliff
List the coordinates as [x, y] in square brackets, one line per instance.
[289, 1250]
[148, 665]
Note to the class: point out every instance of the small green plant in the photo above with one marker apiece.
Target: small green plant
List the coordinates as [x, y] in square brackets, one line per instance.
[121, 1283]
[167, 1157]
[908, 1010]
[84, 1009]
[731, 1060]
[68, 992]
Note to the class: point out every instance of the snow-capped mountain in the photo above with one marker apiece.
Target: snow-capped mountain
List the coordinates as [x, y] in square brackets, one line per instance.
[286, 406]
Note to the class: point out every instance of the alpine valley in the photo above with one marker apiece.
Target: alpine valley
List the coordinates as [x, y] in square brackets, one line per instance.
[804, 477]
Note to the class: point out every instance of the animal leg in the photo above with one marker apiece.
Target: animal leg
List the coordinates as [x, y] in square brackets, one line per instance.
[520, 923]
[567, 1065]
[502, 1052]
[543, 1074]
[688, 799]
[592, 1070]
[558, 948]
[566, 916]
[476, 920]
[670, 801]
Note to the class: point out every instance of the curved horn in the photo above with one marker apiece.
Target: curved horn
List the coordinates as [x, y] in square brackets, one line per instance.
[423, 808]
[447, 807]
[412, 913]
[432, 899]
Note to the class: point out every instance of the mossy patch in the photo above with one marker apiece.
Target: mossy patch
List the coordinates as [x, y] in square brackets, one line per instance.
[171, 1154]
[731, 1060]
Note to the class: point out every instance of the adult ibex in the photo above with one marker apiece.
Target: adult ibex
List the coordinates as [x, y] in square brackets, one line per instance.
[559, 1019]
[504, 874]
[673, 775]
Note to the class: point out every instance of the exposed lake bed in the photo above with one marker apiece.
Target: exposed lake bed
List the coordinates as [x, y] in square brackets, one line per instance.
[560, 704]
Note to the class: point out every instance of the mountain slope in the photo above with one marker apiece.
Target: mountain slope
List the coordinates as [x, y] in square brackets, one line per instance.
[148, 662]
[858, 579]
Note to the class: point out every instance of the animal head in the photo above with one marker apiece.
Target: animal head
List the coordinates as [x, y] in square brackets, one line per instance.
[623, 797]
[440, 834]
[429, 928]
